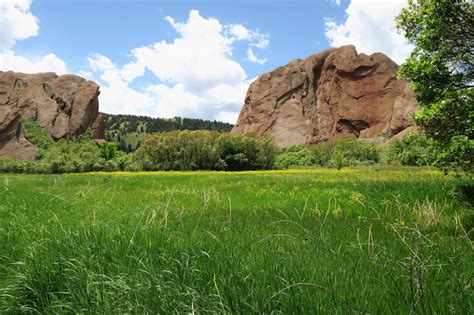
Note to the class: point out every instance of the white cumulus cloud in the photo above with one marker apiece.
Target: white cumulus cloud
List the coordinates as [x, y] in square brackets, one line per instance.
[49, 63]
[18, 23]
[251, 57]
[370, 26]
[240, 32]
[196, 74]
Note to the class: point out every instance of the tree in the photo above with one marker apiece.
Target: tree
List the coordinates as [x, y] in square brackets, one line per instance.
[206, 150]
[108, 150]
[440, 69]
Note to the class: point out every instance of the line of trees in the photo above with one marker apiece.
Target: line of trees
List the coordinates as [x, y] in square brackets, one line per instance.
[175, 150]
[211, 150]
[142, 124]
[415, 149]
[207, 150]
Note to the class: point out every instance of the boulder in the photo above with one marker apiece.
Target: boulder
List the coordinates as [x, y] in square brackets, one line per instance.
[336, 93]
[65, 106]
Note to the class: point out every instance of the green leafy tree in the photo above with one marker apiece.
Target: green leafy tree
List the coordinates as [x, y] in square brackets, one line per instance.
[346, 152]
[205, 150]
[415, 149]
[108, 150]
[298, 155]
[441, 71]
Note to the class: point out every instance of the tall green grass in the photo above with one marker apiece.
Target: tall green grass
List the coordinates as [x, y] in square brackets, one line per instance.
[324, 241]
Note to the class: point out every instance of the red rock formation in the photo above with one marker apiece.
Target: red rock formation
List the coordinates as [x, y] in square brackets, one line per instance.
[333, 94]
[65, 106]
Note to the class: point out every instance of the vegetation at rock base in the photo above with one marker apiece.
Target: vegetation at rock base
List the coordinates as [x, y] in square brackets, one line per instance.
[130, 130]
[177, 150]
[298, 155]
[441, 71]
[212, 150]
[346, 152]
[302, 241]
[415, 149]
[206, 150]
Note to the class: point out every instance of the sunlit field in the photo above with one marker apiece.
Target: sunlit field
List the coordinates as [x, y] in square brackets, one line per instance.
[303, 241]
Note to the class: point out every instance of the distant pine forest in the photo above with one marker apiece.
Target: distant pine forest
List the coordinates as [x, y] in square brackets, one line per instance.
[130, 130]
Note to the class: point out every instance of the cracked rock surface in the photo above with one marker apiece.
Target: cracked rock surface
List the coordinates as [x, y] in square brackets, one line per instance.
[65, 106]
[336, 93]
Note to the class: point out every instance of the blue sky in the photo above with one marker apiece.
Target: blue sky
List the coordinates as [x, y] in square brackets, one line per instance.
[186, 58]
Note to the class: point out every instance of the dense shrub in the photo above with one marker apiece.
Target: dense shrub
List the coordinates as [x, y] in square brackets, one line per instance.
[298, 155]
[66, 156]
[336, 153]
[37, 135]
[345, 152]
[8, 165]
[207, 150]
[414, 149]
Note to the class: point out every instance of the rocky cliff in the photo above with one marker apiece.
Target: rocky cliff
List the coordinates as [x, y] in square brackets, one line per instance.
[335, 93]
[65, 106]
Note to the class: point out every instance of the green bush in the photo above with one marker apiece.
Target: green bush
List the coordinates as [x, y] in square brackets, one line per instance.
[8, 165]
[205, 150]
[415, 149]
[345, 152]
[298, 155]
[67, 156]
[458, 155]
[36, 135]
[335, 153]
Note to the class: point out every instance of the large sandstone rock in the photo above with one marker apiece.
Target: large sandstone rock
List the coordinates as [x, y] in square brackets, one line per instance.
[65, 106]
[333, 94]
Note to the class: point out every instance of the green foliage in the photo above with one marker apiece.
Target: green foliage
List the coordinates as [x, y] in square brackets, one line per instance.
[459, 154]
[108, 150]
[208, 150]
[178, 150]
[441, 71]
[246, 152]
[68, 156]
[335, 154]
[8, 165]
[65, 156]
[338, 159]
[142, 124]
[298, 155]
[415, 149]
[211, 150]
[36, 134]
[346, 152]
[130, 130]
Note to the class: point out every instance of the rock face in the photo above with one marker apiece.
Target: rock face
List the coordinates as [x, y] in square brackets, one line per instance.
[336, 93]
[65, 106]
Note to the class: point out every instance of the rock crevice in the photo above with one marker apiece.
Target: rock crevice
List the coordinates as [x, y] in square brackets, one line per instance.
[65, 106]
[336, 93]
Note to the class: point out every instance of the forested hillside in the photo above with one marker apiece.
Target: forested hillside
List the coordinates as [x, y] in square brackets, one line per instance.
[130, 130]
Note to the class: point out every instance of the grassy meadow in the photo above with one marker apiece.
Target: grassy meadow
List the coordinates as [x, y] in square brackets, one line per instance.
[298, 241]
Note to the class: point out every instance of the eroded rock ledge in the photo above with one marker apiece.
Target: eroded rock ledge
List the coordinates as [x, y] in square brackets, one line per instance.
[333, 94]
[65, 106]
